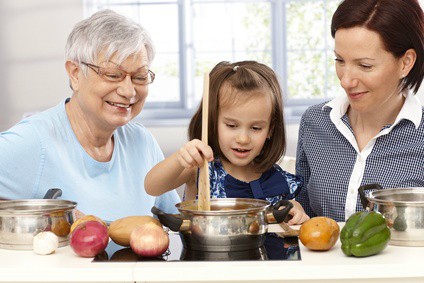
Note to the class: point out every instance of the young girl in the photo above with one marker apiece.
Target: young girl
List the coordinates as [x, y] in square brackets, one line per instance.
[246, 137]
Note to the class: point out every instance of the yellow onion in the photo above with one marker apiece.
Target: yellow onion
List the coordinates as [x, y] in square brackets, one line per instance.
[149, 240]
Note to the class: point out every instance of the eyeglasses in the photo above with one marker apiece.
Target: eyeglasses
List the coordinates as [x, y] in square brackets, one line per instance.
[141, 77]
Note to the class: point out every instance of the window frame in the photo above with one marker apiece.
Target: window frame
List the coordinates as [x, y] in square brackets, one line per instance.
[178, 113]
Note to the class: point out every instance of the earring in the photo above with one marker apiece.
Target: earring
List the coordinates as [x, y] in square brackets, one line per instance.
[403, 76]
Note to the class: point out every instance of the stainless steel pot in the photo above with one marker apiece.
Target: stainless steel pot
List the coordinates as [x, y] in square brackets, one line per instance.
[232, 224]
[403, 209]
[21, 220]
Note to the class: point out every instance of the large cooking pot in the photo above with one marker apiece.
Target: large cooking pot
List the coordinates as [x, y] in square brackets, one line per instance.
[232, 224]
[403, 209]
[21, 220]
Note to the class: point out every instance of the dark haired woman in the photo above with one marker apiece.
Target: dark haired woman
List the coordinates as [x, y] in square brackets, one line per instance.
[375, 132]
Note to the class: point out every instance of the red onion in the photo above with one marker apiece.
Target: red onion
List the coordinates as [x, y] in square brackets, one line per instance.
[89, 238]
[149, 240]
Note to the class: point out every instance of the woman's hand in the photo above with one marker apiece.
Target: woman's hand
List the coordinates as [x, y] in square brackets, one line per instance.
[298, 214]
[193, 153]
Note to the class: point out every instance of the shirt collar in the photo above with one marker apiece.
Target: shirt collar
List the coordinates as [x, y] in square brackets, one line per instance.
[338, 106]
[411, 109]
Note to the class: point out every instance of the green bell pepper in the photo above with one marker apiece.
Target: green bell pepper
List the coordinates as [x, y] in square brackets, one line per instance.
[364, 234]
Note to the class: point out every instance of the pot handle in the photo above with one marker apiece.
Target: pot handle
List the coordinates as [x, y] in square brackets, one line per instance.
[277, 215]
[363, 189]
[172, 222]
[53, 193]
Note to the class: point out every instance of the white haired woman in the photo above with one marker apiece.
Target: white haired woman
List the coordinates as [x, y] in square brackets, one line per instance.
[87, 145]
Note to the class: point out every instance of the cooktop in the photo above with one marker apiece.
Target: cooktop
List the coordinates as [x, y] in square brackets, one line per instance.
[274, 248]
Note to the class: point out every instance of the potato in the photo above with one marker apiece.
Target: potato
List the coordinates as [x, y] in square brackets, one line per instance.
[319, 233]
[120, 230]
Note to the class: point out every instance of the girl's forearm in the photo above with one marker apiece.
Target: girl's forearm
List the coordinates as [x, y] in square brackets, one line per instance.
[165, 176]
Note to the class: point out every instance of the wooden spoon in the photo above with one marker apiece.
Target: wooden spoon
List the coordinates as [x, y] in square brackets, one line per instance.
[204, 185]
[288, 231]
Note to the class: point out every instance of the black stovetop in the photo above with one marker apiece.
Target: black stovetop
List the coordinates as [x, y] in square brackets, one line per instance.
[275, 248]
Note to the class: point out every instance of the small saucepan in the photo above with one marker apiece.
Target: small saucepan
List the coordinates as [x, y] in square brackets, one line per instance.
[403, 209]
[21, 220]
[232, 224]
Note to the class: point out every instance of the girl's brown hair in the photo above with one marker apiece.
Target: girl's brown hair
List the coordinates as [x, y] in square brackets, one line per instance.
[244, 77]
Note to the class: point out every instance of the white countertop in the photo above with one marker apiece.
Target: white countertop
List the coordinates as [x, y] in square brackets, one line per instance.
[394, 264]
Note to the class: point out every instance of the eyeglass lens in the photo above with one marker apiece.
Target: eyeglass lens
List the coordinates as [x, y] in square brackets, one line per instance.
[141, 77]
[113, 74]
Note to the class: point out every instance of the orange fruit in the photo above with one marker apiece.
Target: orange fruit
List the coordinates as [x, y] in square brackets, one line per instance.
[319, 233]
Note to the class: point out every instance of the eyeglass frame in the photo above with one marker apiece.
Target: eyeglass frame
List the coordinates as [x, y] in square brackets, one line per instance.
[125, 74]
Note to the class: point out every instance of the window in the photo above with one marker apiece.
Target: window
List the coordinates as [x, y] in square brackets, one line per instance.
[191, 36]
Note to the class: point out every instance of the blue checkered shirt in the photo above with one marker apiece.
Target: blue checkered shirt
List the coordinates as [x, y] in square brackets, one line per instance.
[328, 158]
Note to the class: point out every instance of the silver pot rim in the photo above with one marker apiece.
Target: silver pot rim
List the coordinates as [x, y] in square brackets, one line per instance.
[34, 206]
[255, 206]
[383, 196]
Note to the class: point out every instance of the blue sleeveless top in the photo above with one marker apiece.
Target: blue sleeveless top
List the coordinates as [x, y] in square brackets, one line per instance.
[273, 186]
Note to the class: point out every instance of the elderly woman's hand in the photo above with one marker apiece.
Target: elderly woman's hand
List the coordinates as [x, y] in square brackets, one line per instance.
[298, 214]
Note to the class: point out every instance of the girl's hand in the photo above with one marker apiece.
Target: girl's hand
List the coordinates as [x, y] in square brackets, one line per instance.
[298, 214]
[193, 153]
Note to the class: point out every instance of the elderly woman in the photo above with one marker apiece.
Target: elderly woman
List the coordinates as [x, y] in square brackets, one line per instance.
[374, 133]
[87, 145]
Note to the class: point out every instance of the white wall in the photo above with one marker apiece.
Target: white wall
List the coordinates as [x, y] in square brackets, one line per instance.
[32, 73]
[32, 42]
